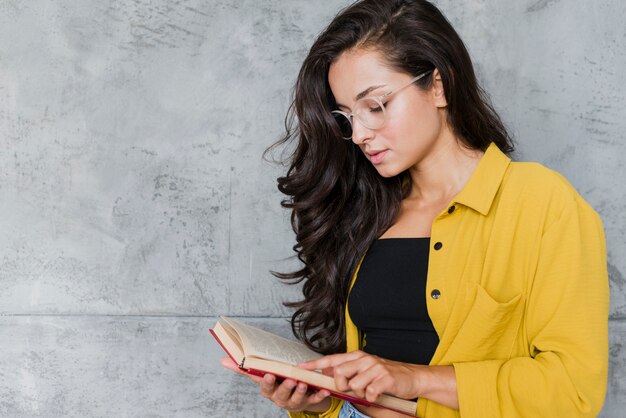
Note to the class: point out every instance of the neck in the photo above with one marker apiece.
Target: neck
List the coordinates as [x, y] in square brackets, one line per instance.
[443, 173]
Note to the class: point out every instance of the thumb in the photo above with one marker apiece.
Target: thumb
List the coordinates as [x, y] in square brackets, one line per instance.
[229, 363]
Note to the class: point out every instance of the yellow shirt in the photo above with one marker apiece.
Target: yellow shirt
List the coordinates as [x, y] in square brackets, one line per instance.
[517, 290]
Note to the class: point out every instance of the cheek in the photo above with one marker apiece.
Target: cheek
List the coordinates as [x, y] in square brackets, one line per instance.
[432, 127]
[414, 118]
[412, 128]
[424, 126]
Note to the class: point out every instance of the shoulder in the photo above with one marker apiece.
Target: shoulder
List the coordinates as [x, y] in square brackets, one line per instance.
[538, 178]
[536, 181]
[532, 184]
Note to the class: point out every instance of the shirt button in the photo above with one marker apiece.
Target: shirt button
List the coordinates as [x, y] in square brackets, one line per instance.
[438, 246]
[435, 294]
[451, 209]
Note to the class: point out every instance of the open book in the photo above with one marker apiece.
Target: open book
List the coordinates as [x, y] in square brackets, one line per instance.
[258, 352]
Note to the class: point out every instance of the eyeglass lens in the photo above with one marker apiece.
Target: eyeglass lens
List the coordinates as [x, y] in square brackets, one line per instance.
[344, 125]
[370, 112]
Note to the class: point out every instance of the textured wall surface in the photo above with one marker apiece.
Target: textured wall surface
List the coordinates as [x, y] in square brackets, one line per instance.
[135, 207]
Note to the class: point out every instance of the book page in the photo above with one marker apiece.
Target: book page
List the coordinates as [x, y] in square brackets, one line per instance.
[229, 340]
[259, 343]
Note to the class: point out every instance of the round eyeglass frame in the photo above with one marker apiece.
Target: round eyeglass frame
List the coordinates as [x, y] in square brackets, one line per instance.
[378, 99]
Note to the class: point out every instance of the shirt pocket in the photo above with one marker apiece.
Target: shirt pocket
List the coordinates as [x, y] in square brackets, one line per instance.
[489, 330]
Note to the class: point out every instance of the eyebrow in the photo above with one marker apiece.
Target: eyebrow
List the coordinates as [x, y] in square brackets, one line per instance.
[364, 93]
[368, 91]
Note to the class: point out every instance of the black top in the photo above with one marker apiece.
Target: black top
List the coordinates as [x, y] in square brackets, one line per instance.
[388, 301]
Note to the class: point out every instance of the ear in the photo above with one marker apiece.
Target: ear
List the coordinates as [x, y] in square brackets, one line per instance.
[437, 90]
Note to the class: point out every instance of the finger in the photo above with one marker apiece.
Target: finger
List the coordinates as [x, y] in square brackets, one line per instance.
[299, 394]
[318, 396]
[378, 387]
[371, 382]
[328, 371]
[283, 391]
[346, 372]
[228, 363]
[267, 385]
[331, 360]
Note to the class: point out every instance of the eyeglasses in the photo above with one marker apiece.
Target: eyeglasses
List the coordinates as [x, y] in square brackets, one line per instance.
[370, 111]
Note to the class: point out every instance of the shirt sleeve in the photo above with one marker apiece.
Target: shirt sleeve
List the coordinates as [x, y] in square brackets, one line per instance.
[566, 322]
[332, 412]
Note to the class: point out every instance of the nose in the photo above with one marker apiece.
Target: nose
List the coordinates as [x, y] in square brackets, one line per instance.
[360, 132]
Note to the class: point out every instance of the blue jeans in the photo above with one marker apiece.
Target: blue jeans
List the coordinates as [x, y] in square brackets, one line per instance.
[349, 411]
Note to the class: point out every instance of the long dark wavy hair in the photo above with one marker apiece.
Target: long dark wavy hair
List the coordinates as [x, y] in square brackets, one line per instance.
[339, 203]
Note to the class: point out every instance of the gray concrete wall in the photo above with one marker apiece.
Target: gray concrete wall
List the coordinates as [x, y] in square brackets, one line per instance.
[135, 207]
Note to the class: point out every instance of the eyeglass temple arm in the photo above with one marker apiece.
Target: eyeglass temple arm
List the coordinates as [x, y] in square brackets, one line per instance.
[411, 81]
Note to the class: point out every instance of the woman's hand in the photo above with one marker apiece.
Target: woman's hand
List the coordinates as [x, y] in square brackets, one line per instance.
[289, 394]
[369, 376]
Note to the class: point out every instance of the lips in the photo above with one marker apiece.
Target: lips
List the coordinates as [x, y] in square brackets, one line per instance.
[376, 157]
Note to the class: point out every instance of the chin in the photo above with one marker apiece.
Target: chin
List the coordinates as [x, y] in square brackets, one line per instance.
[387, 172]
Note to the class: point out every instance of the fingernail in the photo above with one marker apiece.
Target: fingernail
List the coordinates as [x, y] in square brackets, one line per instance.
[301, 388]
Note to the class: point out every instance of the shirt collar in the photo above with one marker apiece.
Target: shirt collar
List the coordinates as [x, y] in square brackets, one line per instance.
[481, 188]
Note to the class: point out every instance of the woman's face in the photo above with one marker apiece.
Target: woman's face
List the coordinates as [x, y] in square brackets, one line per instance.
[415, 119]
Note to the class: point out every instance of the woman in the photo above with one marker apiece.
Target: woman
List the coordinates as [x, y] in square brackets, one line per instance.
[434, 267]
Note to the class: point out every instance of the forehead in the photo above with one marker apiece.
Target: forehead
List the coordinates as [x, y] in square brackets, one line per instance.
[356, 70]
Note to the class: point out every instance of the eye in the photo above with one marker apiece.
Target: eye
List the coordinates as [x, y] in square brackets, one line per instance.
[371, 105]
